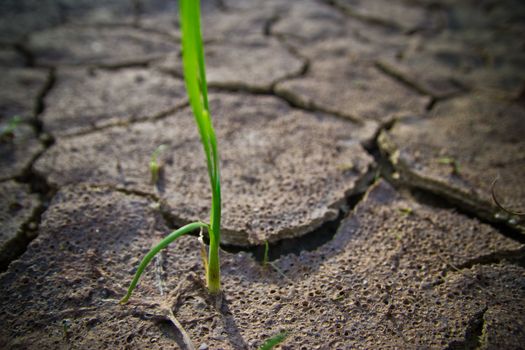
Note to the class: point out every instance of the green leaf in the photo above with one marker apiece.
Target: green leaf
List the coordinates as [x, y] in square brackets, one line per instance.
[273, 341]
[161, 245]
[195, 79]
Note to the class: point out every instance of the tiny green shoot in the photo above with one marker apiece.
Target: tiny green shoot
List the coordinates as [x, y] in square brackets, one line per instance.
[452, 162]
[196, 86]
[8, 132]
[273, 341]
[66, 325]
[155, 165]
[266, 251]
[406, 211]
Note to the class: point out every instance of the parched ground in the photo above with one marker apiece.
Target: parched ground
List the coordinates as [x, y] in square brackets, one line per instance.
[378, 146]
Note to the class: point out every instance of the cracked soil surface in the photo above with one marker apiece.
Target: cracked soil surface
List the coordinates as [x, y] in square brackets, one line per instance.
[378, 146]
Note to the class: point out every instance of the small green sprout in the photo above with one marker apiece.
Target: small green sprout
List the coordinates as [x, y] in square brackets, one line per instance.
[8, 132]
[195, 79]
[273, 341]
[406, 211]
[66, 325]
[452, 162]
[155, 165]
[266, 251]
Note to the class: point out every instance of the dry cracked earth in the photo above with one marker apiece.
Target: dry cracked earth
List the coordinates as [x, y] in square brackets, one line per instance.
[378, 146]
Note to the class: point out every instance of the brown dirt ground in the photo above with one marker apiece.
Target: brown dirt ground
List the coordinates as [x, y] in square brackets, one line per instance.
[360, 138]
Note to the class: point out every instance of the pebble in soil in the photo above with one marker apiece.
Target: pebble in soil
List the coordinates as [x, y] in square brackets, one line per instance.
[460, 150]
[284, 171]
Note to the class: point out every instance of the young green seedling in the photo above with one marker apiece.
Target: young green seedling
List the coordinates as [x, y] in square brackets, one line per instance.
[274, 341]
[452, 162]
[155, 165]
[8, 132]
[195, 79]
[265, 256]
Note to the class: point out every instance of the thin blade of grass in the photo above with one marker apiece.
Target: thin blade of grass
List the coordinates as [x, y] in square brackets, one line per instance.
[273, 341]
[200, 54]
[195, 78]
[161, 245]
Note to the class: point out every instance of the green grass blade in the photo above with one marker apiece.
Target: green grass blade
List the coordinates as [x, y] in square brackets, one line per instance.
[266, 252]
[162, 244]
[273, 341]
[195, 79]
[154, 165]
[194, 76]
[199, 50]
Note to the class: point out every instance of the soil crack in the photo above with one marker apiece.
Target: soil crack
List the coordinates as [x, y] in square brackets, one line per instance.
[318, 236]
[415, 86]
[126, 123]
[515, 257]
[473, 333]
[37, 184]
[28, 231]
[268, 25]
[28, 56]
[440, 201]
[366, 19]
[437, 198]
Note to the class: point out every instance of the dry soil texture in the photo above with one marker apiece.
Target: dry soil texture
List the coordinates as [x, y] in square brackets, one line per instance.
[378, 146]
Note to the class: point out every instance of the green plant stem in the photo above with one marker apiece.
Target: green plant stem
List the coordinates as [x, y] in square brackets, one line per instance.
[266, 251]
[213, 275]
[162, 244]
[195, 80]
[154, 164]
